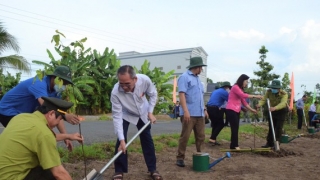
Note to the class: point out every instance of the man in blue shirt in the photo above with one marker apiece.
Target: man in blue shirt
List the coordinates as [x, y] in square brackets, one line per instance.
[312, 111]
[300, 106]
[315, 119]
[217, 99]
[192, 109]
[26, 97]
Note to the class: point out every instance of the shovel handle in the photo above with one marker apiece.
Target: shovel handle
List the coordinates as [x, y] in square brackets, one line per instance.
[120, 152]
[276, 144]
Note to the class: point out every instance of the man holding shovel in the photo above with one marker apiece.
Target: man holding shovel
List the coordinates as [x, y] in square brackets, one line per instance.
[28, 147]
[130, 105]
[278, 99]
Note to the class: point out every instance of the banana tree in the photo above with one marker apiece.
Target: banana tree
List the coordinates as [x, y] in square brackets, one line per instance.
[160, 80]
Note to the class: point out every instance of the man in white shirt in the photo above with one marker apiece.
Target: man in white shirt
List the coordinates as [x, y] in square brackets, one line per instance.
[312, 111]
[130, 105]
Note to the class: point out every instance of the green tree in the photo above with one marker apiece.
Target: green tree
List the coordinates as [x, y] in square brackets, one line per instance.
[8, 82]
[9, 42]
[209, 80]
[160, 80]
[264, 74]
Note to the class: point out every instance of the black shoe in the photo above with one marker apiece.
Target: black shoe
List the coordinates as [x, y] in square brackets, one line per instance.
[180, 163]
[267, 146]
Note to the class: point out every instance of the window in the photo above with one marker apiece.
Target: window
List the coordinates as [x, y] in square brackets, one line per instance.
[161, 68]
[178, 67]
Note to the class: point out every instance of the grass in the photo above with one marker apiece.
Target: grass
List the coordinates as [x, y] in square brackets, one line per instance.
[104, 151]
[105, 117]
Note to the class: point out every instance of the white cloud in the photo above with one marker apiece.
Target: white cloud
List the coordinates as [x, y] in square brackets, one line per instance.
[285, 30]
[244, 35]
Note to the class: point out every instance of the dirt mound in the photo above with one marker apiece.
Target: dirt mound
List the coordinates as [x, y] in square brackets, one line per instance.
[312, 136]
[281, 153]
[294, 161]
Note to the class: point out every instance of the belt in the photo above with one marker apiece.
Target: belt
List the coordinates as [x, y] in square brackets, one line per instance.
[213, 106]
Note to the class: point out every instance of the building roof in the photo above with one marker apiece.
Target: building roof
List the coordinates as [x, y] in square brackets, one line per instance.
[134, 54]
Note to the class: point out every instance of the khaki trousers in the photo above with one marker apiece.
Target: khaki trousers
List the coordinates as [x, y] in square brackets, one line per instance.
[197, 125]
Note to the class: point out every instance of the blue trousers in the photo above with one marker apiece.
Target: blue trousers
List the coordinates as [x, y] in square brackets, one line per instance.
[121, 164]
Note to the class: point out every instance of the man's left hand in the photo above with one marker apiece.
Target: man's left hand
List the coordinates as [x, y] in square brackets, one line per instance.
[72, 119]
[68, 144]
[152, 118]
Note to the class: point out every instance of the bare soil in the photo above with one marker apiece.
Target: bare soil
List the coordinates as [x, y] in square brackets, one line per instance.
[299, 159]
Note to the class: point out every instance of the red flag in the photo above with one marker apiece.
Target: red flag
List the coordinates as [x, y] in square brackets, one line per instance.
[174, 95]
[292, 91]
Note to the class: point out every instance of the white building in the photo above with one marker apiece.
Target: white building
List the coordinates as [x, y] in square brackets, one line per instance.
[176, 60]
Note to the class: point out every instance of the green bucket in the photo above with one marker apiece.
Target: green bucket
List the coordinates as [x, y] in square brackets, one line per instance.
[318, 125]
[284, 138]
[311, 130]
[200, 162]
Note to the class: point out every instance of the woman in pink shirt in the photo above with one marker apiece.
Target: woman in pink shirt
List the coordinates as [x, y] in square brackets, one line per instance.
[233, 108]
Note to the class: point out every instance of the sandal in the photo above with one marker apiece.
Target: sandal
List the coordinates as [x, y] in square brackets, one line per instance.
[155, 175]
[117, 175]
[214, 143]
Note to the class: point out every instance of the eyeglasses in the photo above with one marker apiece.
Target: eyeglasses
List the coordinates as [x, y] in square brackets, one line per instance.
[127, 85]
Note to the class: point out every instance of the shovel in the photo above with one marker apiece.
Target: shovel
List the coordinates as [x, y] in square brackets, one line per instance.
[94, 175]
[276, 143]
[304, 116]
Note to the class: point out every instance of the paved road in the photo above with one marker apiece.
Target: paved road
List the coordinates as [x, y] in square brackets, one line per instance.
[102, 131]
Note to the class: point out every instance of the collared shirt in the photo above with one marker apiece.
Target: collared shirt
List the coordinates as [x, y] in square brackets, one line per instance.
[218, 97]
[131, 106]
[300, 104]
[236, 98]
[191, 86]
[313, 108]
[23, 97]
[27, 142]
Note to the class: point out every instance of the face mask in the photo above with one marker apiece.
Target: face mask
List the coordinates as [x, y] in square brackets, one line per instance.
[274, 91]
[59, 89]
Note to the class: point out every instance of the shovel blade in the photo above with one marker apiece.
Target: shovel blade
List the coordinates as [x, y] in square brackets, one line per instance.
[91, 175]
[276, 146]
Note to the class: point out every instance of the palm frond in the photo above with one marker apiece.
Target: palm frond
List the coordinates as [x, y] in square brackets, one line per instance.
[16, 61]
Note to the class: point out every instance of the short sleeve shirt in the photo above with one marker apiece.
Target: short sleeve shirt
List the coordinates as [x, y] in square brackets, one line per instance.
[23, 97]
[25, 143]
[191, 85]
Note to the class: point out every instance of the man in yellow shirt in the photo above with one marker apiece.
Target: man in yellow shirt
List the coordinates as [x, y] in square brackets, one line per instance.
[278, 99]
[28, 145]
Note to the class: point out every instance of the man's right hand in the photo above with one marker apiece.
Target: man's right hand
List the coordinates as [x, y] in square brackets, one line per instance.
[122, 146]
[76, 137]
[186, 116]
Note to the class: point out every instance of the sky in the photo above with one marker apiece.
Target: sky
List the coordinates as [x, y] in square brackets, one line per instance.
[230, 31]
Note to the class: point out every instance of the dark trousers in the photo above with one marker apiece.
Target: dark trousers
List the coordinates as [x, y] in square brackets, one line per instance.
[223, 116]
[278, 118]
[300, 116]
[311, 114]
[40, 174]
[5, 119]
[233, 118]
[216, 117]
[121, 164]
